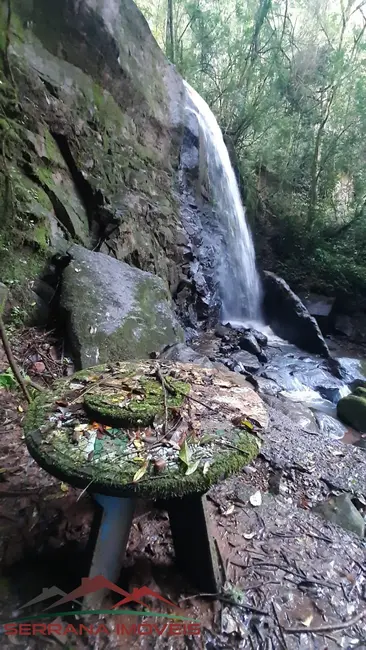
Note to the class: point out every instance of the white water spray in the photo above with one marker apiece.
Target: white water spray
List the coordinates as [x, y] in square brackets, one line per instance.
[238, 278]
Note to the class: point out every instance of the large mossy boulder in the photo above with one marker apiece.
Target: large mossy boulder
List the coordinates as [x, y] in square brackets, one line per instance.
[352, 409]
[115, 311]
[288, 316]
[150, 429]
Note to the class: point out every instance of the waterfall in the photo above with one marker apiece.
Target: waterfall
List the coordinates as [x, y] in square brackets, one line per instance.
[239, 283]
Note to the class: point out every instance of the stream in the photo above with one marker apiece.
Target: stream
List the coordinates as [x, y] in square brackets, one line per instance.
[310, 385]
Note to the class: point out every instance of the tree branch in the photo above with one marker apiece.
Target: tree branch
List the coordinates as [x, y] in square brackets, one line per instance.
[12, 362]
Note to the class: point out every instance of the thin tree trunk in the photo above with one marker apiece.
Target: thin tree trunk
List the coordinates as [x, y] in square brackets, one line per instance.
[170, 32]
[12, 362]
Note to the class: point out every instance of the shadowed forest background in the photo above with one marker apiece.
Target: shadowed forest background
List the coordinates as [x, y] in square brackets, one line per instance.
[287, 81]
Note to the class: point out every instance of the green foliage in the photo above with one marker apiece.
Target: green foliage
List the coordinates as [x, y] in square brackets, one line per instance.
[287, 81]
[7, 380]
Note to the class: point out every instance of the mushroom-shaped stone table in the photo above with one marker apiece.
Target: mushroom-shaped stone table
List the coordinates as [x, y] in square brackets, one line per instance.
[156, 430]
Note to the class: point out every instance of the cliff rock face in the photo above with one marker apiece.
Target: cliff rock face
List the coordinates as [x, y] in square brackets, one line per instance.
[91, 126]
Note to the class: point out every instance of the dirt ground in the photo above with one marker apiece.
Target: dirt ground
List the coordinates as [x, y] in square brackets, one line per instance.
[286, 571]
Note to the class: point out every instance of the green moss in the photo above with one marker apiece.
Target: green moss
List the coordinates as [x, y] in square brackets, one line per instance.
[108, 470]
[352, 409]
[41, 237]
[139, 412]
[56, 454]
[45, 175]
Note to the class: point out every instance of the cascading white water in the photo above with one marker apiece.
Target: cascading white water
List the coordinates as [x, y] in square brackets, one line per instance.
[239, 282]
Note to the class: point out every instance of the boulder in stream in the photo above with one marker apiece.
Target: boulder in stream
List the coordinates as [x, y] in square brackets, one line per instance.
[115, 311]
[249, 343]
[288, 316]
[340, 510]
[247, 360]
[352, 409]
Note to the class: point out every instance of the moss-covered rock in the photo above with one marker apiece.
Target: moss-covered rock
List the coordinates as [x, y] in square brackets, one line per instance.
[176, 428]
[352, 409]
[115, 312]
[92, 116]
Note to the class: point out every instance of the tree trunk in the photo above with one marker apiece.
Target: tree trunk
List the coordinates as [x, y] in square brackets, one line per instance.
[170, 32]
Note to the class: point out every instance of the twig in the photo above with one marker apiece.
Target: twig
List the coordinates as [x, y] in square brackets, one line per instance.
[326, 628]
[32, 384]
[219, 553]
[228, 601]
[162, 381]
[93, 384]
[173, 391]
[84, 490]
[282, 636]
[12, 362]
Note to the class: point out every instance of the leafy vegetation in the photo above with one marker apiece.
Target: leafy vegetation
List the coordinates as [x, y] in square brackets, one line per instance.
[287, 82]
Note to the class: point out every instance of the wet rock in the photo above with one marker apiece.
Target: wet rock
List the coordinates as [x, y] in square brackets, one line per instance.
[185, 354]
[115, 311]
[247, 360]
[352, 369]
[340, 510]
[319, 379]
[260, 337]
[267, 386]
[352, 409]
[222, 331]
[333, 394]
[329, 426]
[249, 343]
[3, 297]
[289, 318]
[301, 415]
[283, 379]
[321, 308]
[344, 325]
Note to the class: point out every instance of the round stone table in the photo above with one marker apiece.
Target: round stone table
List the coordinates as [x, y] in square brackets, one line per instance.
[157, 430]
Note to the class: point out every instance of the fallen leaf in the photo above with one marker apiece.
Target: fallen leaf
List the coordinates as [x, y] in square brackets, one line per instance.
[229, 511]
[192, 468]
[256, 499]
[248, 535]
[138, 444]
[20, 409]
[64, 487]
[307, 620]
[185, 454]
[247, 424]
[141, 472]
[206, 467]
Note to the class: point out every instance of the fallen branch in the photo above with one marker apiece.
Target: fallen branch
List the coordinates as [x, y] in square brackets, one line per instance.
[228, 601]
[282, 636]
[326, 628]
[163, 385]
[13, 364]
